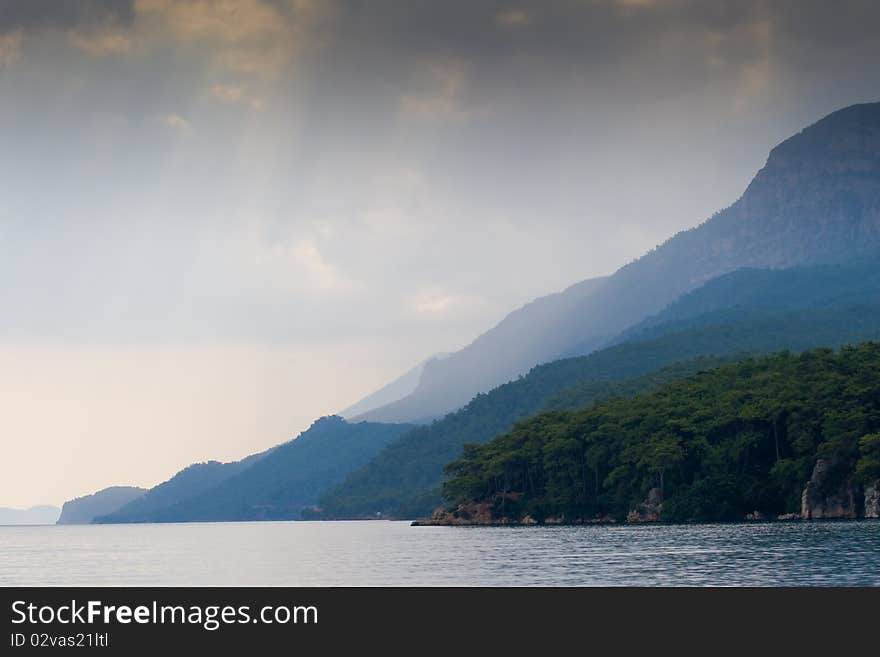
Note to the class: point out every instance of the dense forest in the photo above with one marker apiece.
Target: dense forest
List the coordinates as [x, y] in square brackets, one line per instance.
[404, 479]
[777, 435]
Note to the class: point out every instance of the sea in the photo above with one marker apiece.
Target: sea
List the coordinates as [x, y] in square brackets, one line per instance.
[385, 553]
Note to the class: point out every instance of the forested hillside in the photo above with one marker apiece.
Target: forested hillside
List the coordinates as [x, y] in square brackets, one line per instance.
[751, 291]
[794, 434]
[279, 484]
[189, 482]
[404, 479]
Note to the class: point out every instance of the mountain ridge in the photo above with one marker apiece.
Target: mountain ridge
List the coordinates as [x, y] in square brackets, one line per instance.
[826, 176]
[82, 510]
[192, 480]
[391, 392]
[403, 480]
[520, 338]
[41, 514]
[274, 485]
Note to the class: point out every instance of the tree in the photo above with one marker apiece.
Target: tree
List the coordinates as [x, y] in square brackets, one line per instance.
[868, 465]
[662, 452]
[705, 441]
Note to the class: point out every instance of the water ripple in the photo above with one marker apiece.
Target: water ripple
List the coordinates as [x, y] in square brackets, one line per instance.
[395, 554]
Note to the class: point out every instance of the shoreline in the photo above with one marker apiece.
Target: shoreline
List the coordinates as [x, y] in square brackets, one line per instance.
[459, 522]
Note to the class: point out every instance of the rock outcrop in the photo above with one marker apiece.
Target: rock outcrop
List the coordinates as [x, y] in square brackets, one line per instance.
[648, 511]
[483, 514]
[470, 514]
[823, 498]
[872, 500]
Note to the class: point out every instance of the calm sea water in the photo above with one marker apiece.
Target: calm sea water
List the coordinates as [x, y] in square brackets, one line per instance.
[395, 554]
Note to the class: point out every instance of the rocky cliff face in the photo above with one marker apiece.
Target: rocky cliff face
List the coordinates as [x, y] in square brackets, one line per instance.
[648, 511]
[464, 515]
[818, 197]
[823, 498]
[484, 514]
[872, 500]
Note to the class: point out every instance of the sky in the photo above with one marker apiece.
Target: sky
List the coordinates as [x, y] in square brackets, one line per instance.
[220, 220]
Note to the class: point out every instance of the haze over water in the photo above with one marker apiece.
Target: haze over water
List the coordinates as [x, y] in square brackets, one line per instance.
[395, 554]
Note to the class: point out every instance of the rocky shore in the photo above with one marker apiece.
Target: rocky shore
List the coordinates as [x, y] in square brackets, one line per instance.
[480, 515]
[824, 498]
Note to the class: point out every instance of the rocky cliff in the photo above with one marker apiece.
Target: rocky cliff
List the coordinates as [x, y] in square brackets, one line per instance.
[651, 510]
[826, 496]
[872, 500]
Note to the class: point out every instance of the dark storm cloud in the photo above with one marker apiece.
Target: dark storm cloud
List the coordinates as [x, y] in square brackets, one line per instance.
[36, 14]
[575, 26]
[623, 51]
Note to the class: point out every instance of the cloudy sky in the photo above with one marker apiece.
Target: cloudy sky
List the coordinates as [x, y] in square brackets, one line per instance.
[222, 219]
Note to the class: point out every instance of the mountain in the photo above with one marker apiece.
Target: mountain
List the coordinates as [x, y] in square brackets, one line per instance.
[82, 510]
[784, 435]
[277, 486]
[404, 479]
[816, 200]
[402, 386]
[189, 482]
[36, 515]
[524, 338]
[748, 290]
